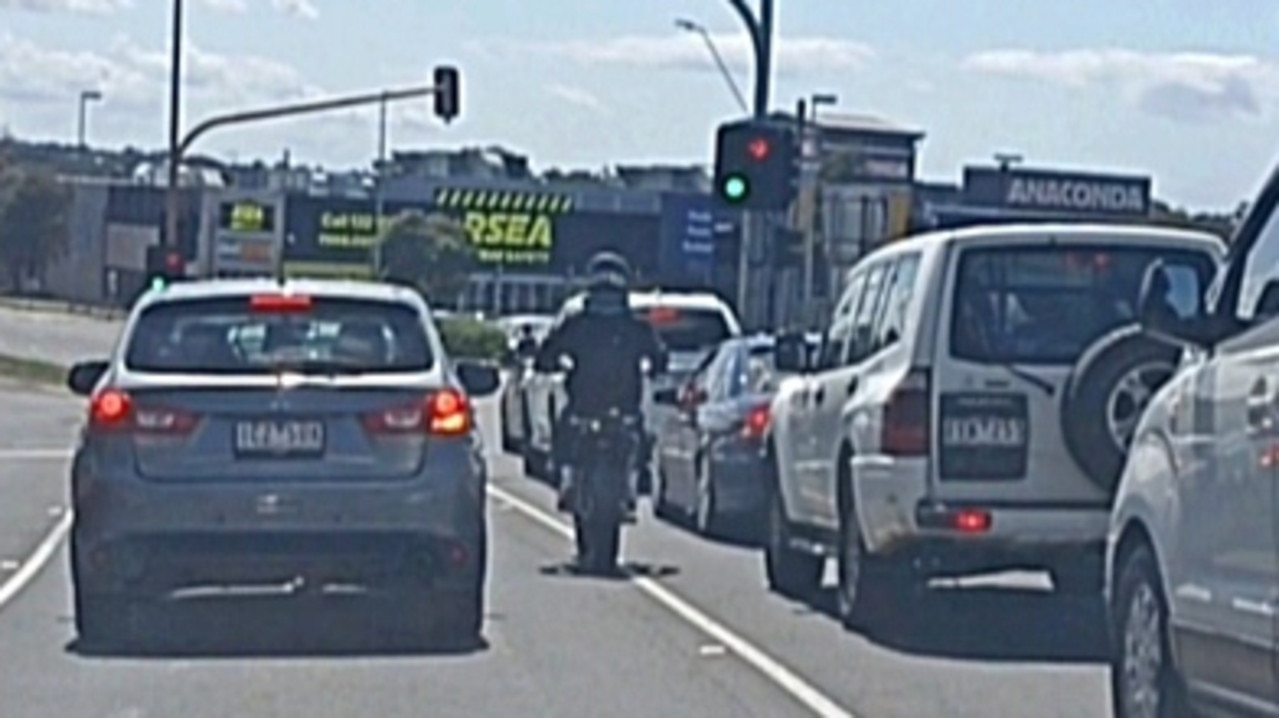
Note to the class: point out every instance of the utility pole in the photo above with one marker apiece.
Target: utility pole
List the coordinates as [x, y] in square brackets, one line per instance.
[755, 228]
[379, 198]
[86, 96]
[172, 207]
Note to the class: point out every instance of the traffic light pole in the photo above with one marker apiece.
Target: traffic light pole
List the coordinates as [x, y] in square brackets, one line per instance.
[755, 229]
[172, 203]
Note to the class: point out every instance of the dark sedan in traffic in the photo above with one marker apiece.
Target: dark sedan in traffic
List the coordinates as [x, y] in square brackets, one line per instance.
[711, 446]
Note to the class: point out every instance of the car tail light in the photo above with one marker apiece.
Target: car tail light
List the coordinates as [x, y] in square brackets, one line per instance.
[908, 417]
[279, 303]
[110, 409]
[446, 412]
[971, 521]
[115, 410]
[756, 422]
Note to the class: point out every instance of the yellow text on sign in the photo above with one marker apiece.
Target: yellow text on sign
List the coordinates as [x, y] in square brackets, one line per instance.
[510, 233]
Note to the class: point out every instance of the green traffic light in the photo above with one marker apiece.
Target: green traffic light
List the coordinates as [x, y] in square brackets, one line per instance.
[158, 284]
[735, 188]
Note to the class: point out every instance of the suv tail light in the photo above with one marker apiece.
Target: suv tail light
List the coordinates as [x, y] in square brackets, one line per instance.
[908, 416]
[279, 303]
[756, 423]
[115, 410]
[446, 412]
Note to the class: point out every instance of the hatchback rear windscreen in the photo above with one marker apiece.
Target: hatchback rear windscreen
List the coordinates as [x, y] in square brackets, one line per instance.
[262, 335]
[1046, 305]
[686, 330]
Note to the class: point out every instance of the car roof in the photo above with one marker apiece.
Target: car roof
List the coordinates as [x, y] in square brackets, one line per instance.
[647, 299]
[1136, 234]
[230, 288]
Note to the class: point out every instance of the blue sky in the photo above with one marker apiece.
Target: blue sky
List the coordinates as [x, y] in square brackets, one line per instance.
[1186, 91]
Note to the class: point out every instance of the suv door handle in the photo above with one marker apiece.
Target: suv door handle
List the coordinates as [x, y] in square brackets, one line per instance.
[852, 386]
[819, 396]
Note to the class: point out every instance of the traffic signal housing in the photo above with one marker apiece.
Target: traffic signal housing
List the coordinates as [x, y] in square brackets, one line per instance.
[756, 165]
[448, 90]
[165, 265]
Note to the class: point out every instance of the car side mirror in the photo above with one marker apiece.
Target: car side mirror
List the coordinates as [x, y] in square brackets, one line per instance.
[1159, 318]
[83, 377]
[790, 354]
[1268, 304]
[666, 397]
[479, 380]
[691, 397]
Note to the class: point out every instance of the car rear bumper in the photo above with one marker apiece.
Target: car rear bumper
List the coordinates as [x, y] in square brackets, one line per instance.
[899, 517]
[147, 537]
[738, 470]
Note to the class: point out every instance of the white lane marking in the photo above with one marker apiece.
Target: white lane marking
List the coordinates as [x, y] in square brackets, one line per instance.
[30, 568]
[8, 453]
[770, 668]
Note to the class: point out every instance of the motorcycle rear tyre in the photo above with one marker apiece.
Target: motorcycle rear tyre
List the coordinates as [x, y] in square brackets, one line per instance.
[598, 543]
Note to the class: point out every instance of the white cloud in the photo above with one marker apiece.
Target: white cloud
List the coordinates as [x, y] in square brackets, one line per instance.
[578, 97]
[91, 7]
[299, 8]
[133, 80]
[1188, 87]
[229, 6]
[687, 51]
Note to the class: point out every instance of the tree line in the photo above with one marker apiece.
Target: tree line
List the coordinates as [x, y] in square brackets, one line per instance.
[35, 215]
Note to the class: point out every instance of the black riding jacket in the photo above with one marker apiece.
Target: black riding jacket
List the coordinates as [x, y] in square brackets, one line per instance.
[605, 352]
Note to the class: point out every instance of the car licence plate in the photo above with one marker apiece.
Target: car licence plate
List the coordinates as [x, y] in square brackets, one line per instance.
[279, 439]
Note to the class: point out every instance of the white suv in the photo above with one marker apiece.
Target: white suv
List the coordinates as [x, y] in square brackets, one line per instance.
[690, 324]
[1193, 548]
[971, 408]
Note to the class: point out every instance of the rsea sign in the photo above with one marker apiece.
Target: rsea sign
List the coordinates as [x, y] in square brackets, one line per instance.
[1065, 193]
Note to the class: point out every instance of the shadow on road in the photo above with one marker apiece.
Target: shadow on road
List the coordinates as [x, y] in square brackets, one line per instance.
[989, 624]
[276, 632]
[625, 572]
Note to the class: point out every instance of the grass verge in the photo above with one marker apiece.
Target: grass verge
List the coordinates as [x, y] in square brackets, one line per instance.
[32, 370]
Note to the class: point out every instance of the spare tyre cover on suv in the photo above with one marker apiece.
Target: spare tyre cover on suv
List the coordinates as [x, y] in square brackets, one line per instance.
[1109, 388]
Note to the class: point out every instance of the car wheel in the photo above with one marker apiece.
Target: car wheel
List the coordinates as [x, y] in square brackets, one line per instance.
[105, 620]
[871, 589]
[706, 516]
[509, 444]
[1143, 679]
[662, 507]
[791, 573]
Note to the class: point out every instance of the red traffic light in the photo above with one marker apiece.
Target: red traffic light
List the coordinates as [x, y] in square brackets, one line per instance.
[758, 149]
[173, 261]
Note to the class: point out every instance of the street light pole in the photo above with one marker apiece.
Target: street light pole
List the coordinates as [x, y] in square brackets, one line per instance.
[175, 128]
[271, 113]
[378, 197]
[760, 29]
[699, 29]
[812, 185]
[86, 96]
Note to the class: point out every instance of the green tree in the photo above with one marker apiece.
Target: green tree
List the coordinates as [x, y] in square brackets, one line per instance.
[35, 211]
[428, 251]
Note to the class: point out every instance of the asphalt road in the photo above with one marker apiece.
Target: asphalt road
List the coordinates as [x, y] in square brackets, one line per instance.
[695, 634]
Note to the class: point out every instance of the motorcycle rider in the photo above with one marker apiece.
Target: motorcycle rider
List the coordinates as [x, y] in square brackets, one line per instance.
[605, 343]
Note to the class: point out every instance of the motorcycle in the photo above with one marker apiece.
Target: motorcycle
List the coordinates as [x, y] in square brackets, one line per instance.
[605, 461]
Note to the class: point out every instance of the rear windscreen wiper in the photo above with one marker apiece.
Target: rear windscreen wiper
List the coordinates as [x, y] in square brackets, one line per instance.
[1038, 382]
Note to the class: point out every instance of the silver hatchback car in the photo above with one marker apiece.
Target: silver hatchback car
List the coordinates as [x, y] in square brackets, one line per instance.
[309, 435]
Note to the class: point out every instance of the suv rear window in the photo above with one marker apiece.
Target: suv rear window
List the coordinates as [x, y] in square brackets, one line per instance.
[1046, 305]
[231, 336]
[686, 330]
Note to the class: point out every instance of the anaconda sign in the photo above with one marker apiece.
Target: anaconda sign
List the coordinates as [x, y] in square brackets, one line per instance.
[1058, 192]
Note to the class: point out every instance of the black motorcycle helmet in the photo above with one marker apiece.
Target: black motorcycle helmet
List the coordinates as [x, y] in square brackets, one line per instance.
[609, 269]
[608, 284]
